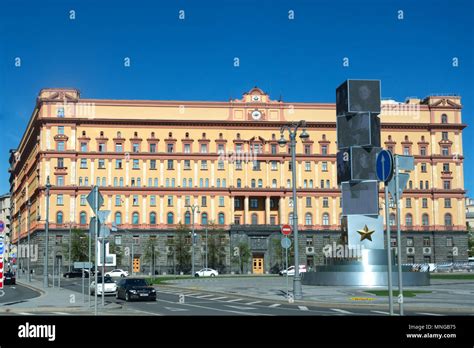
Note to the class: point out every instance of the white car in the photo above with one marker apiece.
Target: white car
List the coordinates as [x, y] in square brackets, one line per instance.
[291, 270]
[110, 287]
[117, 273]
[206, 272]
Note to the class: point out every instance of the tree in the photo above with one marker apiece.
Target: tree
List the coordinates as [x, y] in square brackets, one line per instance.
[118, 251]
[241, 256]
[278, 255]
[181, 248]
[216, 250]
[470, 243]
[79, 246]
[151, 253]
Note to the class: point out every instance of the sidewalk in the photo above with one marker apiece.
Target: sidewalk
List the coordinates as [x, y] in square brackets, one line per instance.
[54, 299]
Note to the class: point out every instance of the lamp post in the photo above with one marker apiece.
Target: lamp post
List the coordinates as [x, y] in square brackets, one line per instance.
[29, 249]
[70, 244]
[45, 270]
[18, 242]
[292, 130]
[193, 209]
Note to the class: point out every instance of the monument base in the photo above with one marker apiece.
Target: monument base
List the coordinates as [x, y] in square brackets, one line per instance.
[369, 270]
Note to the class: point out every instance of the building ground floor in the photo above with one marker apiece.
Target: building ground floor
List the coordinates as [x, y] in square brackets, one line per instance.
[241, 249]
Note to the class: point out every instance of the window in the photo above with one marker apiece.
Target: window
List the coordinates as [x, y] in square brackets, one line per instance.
[59, 199]
[118, 200]
[84, 147]
[256, 165]
[170, 148]
[60, 145]
[307, 149]
[60, 112]
[152, 218]
[187, 164]
[83, 218]
[308, 202]
[187, 218]
[152, 165]
[446, 184]
[135, 218]
[325, 202]
[101, 164]
[83, 163]
[170, 201]
[204, 201]
[309, 241]
[153, 148]
[423, 167]
[425, 220]
[406, 150]
[187, 201]
[239, 183]
[324, 150]
[236, 220]
[274, 183]
[311, 183]
[83, 200]
[221, 201]
[273, 148]
[290, 218]
[170, 218]
[121, 182]
[392, 219]
[170, 164]
[445, 167]
[118, 147]
[204, 165]
[118, 164]
[220, 148]
[288, 183]
[444, 118]
[426, 241]
[237, 203]
[136, 164]
[118, 218]
[60, 162]
[410, 242]
[253, 183]
[307, 166]
[423, 151]
[408, 220]
[274, 165]
[444, 135]
[445, 151]
[101, 147]
[254, 203]
[408, 203]
[203, 148]
[447, 202]
[448, 220]
[86, 181]
[325, 219]
[59, 217]
[324, 166]
[153, 200]
[393, 242]
[238, 148]
[187, 148]
[308, 219]
[218, 183]
[254, 219]
[135, 200]
[220, 165]
[60, 180]
[135, 147]
[449, 241]
[204, 219]
[118, 240]
[221, 219]
[238, 164]
[421, 185]
[207, 182]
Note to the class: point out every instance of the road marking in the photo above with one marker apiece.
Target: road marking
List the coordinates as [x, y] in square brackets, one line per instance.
[433, 314]
[275, 305]
[240, 307]
[174, 309]
[204, 296]
[341, 311]
[303, 308]
[149, 313]
[218, 298]
[381, 312]
[25, 313]
[61, 313]
[235, 300]
[193, 294]
[254, 302]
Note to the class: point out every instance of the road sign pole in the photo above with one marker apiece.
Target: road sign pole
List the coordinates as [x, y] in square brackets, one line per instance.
[399, 237]
[103, 271]
[96, 209]
[286, 267]
[389, 253]
[83, 294]
[90, 268]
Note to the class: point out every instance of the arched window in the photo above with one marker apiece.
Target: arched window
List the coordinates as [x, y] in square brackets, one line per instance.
[221, 219]
[288, 183]
[170, 218]
[308, 219]
[392, 219]
[139, 182]
[83, 218]
[252, 183]
[254, 219]
[135, 218]
[190, 183]
[59, 217]
[260, 183]
[274, 183]
[86, 181]
[153, 218]
[311, 183]
[80, 181]
[325, 219]
[410, 184]
[201, 182]
[305, 183]
[204, 219]
[218, 183]
[207, 182]
[184, 182]
[290, 218]
[118, 218]
[408, 220]
[444, 118]
[187, 218]
[224, 183]
[448, 219]
[425, 220]
[103, 182]
[239, 183]
[121, 182]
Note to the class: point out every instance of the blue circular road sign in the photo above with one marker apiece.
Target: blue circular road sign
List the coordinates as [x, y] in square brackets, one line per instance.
[285, 242]
[384, 165]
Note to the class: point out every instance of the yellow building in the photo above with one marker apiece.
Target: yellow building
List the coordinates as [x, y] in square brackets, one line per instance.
[152, 158]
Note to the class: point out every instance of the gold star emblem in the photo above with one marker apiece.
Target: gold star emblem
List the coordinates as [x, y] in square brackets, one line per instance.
[365, 233]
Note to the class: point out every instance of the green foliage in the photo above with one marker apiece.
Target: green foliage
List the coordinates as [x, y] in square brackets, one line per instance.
[470, 243]
[118, 251]
[181, 249]
[79, 246]
[216, 251]
[241, 256]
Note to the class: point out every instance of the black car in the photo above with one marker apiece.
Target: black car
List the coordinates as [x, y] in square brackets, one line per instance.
[135, 289]
[76, 273]
[9, 278]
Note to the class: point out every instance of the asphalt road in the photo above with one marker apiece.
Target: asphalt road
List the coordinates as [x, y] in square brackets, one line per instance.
[16, 293]
[188, 302]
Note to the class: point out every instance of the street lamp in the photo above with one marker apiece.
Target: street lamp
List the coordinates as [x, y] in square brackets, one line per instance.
[70, 244]
[45, 270]
[192, 208]
[292, 130]
[29, 250]
[18, 242]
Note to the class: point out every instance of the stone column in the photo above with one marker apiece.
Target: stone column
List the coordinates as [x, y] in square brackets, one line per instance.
[267, 210]
[246, 210]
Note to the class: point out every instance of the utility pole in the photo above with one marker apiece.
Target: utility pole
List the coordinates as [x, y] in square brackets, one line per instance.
[70, 244]
[192, 209]
[46, 254]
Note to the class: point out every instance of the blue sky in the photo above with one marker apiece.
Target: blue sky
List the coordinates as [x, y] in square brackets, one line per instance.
[192, 59]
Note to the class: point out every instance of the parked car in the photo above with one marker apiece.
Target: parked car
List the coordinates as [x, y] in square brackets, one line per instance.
[291, 270]
[76, 273]
[9, 278]
[206, 272]
[135, 289]
[110, 287]
[117, 273]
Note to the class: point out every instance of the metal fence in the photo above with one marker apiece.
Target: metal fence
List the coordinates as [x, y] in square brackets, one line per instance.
[442, 267]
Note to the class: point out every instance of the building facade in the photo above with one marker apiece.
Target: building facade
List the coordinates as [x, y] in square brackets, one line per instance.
[152, 159]
[5, 217]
